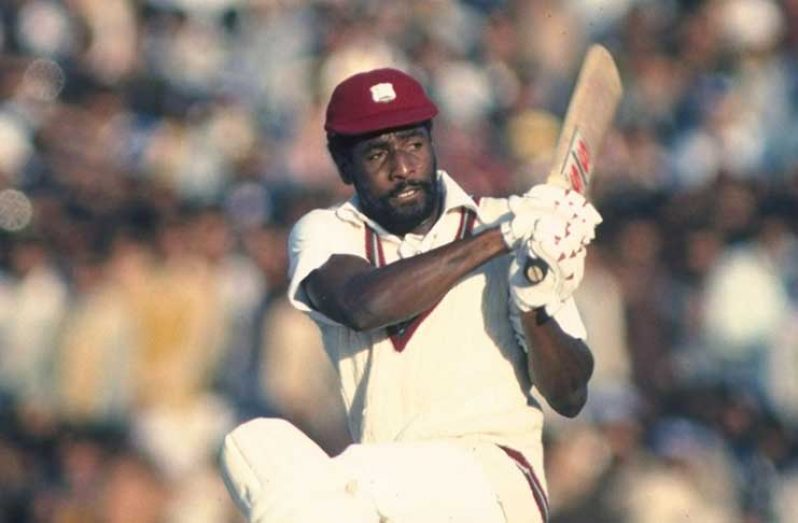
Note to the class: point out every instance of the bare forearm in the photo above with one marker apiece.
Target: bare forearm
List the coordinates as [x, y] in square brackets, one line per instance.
[406, 288]
[560, 366]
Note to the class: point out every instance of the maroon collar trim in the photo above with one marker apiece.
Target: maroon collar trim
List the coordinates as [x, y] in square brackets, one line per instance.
[400, 333]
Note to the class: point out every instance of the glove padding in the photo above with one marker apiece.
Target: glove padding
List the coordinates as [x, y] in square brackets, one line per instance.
[560, 239]
[563, 233]
[562, 279]
[555, 225]
[539, 202]
[571, 205]
[525, 212]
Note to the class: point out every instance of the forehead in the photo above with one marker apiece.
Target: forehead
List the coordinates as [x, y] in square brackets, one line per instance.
[400, 133]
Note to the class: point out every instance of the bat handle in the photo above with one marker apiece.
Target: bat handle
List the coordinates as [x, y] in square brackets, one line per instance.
[535, 270]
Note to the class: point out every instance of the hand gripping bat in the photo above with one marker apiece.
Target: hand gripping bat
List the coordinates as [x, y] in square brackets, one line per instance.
[589, 116]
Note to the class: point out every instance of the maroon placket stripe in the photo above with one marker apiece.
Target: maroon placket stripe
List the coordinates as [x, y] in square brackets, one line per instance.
[370, 245]
[380, 252]
[461, 228]
[531, 478]
[376, 256]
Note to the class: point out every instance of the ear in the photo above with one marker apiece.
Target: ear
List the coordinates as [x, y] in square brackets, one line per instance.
[344, 164]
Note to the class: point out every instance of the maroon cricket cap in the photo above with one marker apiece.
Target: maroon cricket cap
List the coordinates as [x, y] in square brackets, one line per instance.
[376, 100]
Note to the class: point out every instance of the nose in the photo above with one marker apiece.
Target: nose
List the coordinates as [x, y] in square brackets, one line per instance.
[403, 164]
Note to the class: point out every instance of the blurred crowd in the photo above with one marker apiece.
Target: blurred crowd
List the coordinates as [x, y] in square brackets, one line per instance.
[154, 154]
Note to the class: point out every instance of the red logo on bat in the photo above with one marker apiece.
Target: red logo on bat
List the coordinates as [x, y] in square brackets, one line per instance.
[578, 163]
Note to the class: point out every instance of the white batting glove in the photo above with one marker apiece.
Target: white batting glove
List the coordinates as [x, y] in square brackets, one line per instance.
[560, 239]
[538, 203]
[564, 275]
[525, 212]
[529, 296]
[555, 225]
[579, 212]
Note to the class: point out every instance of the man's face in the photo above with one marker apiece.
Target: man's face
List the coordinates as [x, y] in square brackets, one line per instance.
[394, 176]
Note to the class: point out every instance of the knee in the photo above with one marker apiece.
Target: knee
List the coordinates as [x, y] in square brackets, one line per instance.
[265, 448]
[239, 463]
[266, 458]
[275, 472]
[259, 433]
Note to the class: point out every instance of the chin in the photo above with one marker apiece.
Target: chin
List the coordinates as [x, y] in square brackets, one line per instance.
[401, 218]
[407, 217]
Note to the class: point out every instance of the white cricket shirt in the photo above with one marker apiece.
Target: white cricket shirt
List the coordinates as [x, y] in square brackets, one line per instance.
[456, 371]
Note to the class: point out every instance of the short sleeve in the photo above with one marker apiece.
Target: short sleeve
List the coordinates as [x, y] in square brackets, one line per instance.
[313, 240]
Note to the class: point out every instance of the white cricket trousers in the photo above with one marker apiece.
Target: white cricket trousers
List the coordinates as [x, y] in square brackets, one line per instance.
[276, 474]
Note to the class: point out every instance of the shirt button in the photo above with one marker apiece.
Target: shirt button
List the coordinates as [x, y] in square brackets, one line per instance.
[351, 487]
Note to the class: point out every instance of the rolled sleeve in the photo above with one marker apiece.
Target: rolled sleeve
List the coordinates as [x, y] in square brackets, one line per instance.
[313, 240]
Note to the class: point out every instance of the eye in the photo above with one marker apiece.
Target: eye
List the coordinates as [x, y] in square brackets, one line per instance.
[373, 156]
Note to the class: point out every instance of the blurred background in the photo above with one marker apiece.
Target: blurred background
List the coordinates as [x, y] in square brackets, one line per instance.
[154, 154]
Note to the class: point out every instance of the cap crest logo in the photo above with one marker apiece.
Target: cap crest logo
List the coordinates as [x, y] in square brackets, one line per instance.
[383, 93]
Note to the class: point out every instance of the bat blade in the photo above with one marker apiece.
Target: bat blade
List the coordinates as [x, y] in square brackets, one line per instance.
[589, 116]
[590, 113]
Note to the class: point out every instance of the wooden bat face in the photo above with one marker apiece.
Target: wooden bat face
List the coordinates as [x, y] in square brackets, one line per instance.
[591, 110]
[589, 116]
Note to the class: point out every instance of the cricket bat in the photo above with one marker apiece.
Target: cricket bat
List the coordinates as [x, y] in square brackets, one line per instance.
[589, 116]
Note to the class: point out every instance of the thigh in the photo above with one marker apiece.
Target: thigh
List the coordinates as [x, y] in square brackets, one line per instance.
[276, 474]
[422, 482]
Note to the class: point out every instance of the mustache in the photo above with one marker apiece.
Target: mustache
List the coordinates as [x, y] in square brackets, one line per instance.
[421, 184]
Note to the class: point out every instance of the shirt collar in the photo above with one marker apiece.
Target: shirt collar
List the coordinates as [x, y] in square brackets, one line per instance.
[454, 198]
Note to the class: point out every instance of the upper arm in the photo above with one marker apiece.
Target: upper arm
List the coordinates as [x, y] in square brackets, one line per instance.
[320, 240]
[326, 287]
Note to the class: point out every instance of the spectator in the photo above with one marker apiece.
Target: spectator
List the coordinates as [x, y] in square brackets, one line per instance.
[157, 149]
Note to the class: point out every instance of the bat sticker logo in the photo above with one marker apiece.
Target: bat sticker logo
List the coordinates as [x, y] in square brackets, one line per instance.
[578, 163]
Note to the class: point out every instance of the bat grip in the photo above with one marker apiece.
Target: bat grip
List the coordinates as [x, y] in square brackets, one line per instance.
[535, 270]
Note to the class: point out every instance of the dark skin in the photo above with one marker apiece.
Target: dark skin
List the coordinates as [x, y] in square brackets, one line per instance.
[394, 173]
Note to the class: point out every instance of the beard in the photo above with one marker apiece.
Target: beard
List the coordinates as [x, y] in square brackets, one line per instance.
[401, 218]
